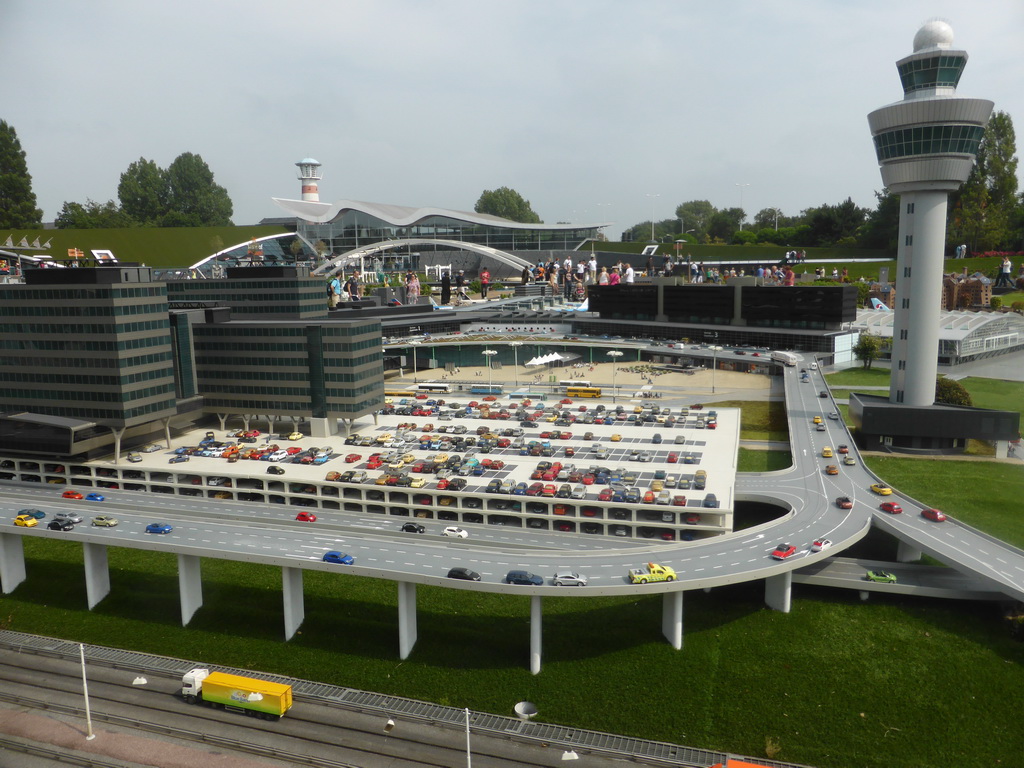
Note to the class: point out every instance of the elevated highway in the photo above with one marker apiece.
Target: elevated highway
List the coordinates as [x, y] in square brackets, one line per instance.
[207, 528]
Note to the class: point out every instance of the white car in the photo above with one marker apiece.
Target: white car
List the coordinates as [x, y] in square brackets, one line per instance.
[820, 545]
[151, 448]
[134, 457]
[454, 530]
[566, 577]
[278, 456]
[834, 415]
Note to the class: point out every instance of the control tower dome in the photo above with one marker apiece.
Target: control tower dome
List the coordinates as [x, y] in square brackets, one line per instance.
[926, 146]
[309, 175]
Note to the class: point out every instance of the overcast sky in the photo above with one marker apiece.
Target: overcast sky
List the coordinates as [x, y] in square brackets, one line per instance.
[588, 108]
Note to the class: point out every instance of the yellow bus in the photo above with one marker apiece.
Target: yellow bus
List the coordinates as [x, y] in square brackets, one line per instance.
[582, 391]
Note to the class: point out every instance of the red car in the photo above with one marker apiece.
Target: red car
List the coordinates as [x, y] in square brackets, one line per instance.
[536, 489]
[490, 398]
[891, 507]
[649, 497]
[588, 479]
[292, 450]
[933, 514]
[673, 458]
[845, 502]
[442, 483]
[352, 458]
[565, 401]
[549, 490]
[306, 517]
[783, 551]
[71, 495]
[605, 494]
[679, 501]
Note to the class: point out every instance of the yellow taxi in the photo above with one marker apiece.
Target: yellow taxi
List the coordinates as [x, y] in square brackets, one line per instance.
[826, 452]
[616, 438]
[817, 420]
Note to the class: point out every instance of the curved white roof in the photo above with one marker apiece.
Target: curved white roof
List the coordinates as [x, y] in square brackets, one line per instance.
[403, 216]
[953, 325]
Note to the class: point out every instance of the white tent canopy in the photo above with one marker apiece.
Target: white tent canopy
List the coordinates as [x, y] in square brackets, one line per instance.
[545, 359]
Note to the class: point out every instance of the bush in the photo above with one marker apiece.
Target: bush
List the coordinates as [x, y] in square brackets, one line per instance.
[996, 303]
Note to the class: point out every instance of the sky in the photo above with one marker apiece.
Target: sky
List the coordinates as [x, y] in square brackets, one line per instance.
[596, 111]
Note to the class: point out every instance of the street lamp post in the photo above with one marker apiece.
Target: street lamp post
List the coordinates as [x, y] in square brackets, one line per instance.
[489, 353]
[614, 354]
[515, 352]
[653, 196]
[414, 344]
[741, 186]
[714, 366]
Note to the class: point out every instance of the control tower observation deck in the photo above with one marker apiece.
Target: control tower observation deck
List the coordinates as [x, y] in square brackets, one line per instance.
[926, 146]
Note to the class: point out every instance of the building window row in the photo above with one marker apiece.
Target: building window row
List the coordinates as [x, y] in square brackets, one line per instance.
[119, 396]
[82, 310]
[931, 72]
[929, 140]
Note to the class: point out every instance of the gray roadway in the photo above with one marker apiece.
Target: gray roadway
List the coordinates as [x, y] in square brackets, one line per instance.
[208, 528]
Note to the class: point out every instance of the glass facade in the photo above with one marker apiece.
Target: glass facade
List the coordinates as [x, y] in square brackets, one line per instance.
[352, 229]
[929, 140]
[932, 72]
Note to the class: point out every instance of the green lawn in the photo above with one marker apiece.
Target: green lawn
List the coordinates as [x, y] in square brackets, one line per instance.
[760, 420]
[836, 682]
[763, 461]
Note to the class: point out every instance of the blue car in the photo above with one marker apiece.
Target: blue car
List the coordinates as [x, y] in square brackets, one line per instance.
[339, 558]
[159, 528]
[524, 577]
[38, 514]
[95, 497]
[321, 459]
[520, 489]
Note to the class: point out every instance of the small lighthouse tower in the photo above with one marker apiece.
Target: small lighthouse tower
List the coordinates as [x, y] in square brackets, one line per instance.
[309, 175]
[926, 146]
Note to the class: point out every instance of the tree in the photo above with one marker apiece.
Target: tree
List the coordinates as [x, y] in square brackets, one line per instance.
[508, 204]
[951, 392]
[193, 198]
[881, 228]
[831, 223]
[867, 349]
[696, 215]
[769, 218]
[17, 200]
[92, 215]
[986, 209]
[143, 192]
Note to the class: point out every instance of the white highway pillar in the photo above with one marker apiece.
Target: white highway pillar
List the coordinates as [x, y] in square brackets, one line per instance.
[908, 553]
[778, 591]
[536, 615]
[407, 631]
[97, 573]
[294, 601]
[672, 618]
[190, 587]
[12, 562]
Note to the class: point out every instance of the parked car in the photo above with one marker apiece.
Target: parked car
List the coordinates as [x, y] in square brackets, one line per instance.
[566, 577]
[464, 574]
[782, 551]
[524, 578]
[338, 558]
[275, 469]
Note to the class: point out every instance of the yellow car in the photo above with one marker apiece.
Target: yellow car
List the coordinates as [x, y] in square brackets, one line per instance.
[296, 436]
[658, 485]
[616, 438]
[817, 420]
[408, 458]
[826, 452]
[26, 521]
[381, 439]
[831, 469]
[396, 464]
[418, 482]
[441, 458]
[849, 461]
[382, 480]
[552, 418]
[881, 489]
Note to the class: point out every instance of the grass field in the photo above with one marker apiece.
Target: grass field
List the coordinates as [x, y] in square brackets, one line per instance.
[836, 683]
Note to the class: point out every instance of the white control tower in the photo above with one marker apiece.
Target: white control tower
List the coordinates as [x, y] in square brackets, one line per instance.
[309, 175]
[926, 146]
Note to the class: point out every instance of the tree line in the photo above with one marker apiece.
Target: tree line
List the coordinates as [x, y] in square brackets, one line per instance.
[182, 195]
[985, 214]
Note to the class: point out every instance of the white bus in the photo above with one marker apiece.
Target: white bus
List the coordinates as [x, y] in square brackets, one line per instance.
[574, 383]
[433, 387]
[786, 358]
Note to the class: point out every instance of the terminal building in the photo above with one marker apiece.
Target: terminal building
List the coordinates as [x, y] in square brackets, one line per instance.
[92, 357]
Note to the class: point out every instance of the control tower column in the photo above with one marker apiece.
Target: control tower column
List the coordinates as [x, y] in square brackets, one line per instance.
[926, 146]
